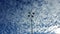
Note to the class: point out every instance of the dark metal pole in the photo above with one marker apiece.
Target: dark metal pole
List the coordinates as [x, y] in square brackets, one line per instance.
[31, 26]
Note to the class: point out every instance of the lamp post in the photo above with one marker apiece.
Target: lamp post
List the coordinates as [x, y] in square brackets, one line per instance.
[31, 15]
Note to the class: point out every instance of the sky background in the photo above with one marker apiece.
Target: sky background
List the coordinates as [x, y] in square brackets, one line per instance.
[24, 16]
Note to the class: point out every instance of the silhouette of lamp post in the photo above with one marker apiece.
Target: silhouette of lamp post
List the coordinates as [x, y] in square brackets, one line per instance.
[31, 15]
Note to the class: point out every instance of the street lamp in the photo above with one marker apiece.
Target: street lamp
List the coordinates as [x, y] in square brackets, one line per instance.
[31, 15]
